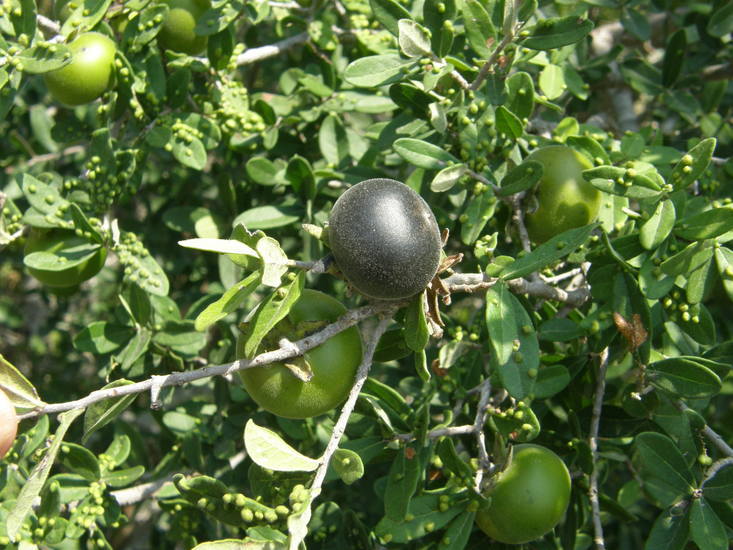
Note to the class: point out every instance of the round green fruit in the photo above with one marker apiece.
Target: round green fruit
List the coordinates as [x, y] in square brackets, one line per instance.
[528, 498]
[385, 239]
[334, 363]
[54, 241]
[88, 75]
[177, 33]
[565, 199]
[8, 424]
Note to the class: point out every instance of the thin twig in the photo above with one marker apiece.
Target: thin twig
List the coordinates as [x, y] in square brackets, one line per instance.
[340, 427]
[254, 55]
[484, 463]
[45, 157]
[48, 25]
[474, 282]
[487, 67]
[138, 493]
[349, 319]
[466, 429]
[593, 442]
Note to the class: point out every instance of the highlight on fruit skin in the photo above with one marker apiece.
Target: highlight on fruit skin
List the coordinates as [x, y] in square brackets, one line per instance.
[8, 424]
[384, 239]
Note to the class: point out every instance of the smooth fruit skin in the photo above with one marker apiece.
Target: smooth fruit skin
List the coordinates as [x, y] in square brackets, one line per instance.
[177, 33]
[88, 75]
[385, 239]
[53, 241]
[529, 498]
[334, 364]
[8, 424]
[565, 199]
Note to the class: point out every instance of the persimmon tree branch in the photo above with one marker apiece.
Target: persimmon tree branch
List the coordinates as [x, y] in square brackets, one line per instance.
[340, 427]
[291, 349]
[593, 443]
[474, 282]
[253, 55]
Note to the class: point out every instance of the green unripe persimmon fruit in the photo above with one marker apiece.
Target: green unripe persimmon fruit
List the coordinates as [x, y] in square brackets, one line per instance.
[333, 363]
[54, 241]
[528, 498]
[8, 424]
[178, 31]
[89, 73]
[565, 199]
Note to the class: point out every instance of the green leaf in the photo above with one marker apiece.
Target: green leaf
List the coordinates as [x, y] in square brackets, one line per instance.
[512, 340]
[556, 248]
[423, 154]
[17, 387]
[86, 16]
[299, 174]
[268, 217]
[706, 225]
[556, 32]
[333, 141]
[263, 171]
[719, 485]
[389, 13]
[720, 22]
[520, 178]
[274, 261]
[181, 337]
[103, 412]
[458, 532]
[520, 91]
[102, 337]
[229, 302]
[426, 516]
[480, 30]
[479, 211]
[125, 477]
[446, 450]
[376, 70]
[402, 480]
[348, 465]
[42, 196]
[706, 529]
[508, 123]
[559, 329]
[38, 60]
[658, 227]
[80, 461]
[684, 378]
[37, 478]
[267, 449]
[693, 164]
[269, 313]
[662, 467]
[724, 261]
[674, 56]
[622, 182]
[552, 81]
[447, 178]
[688, 259]
[416, 325]
[551, 380]
[414, 39]
[671, 531]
